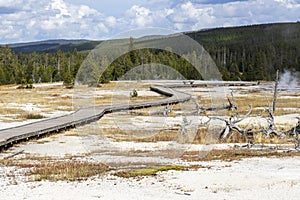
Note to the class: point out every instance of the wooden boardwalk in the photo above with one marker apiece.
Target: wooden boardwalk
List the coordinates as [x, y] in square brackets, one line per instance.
[191, 83]
[10, 136]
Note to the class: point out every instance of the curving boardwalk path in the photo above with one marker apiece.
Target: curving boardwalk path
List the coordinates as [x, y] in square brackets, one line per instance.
[10, 136]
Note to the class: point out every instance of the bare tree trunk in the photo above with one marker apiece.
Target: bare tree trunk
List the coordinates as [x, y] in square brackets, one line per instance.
[275, 91]
[231, 103]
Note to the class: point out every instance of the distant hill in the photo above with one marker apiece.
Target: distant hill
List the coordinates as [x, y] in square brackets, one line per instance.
[52, 46]
[249, 35]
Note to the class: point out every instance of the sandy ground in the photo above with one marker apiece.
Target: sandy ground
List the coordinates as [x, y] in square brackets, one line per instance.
[256, 178]
[263, 178]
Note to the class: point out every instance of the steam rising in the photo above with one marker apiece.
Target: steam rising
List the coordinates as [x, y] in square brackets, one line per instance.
[288, 81]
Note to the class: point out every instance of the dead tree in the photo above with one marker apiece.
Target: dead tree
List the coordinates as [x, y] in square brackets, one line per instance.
[231, 103]
[271, 129]
[231, 125]
[198, 108]
[184, 124]
[275, 91]
[295, 131]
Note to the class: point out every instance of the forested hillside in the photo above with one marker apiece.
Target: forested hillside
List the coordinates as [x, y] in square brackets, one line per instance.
[253, 52]
[241, 53]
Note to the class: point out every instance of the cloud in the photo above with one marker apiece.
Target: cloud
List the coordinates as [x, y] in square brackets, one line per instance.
[184, 15]
[38, 20]
[27, 20]
[139, 16]
[10, 3]
[204, 14]
[216, 1]
[111, 21]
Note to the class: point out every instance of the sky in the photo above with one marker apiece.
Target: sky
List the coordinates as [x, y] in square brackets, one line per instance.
[35, 20]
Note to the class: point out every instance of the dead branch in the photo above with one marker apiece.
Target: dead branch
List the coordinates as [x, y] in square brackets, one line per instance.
[271, 129]
[246, 116]
[165, 112]
[231, 125]
[198, 108]
[231, 106]
[205, 123]
[294, 130]
[297, 132]
[202, 109]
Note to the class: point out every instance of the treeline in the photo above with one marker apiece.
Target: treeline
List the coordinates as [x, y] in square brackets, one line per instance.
[139, 64]
[150, 64]
[63, 66]
[38, 67]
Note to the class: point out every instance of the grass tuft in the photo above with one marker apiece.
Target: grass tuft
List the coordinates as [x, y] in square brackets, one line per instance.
[31, 115]
[67, 170]
[148, 171]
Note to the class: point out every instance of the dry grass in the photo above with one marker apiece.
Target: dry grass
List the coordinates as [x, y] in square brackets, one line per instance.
[47, 99]
[70, 169]
[123, 86]
[231, 155]
[163, 135]
[108, 99]
[43, 168]
[57, 98]
[262, 139]
[201, 136]
[10, 111]
[30, 115]
[14, 115]
[259, 103]
[140, 135]
[66, 170]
